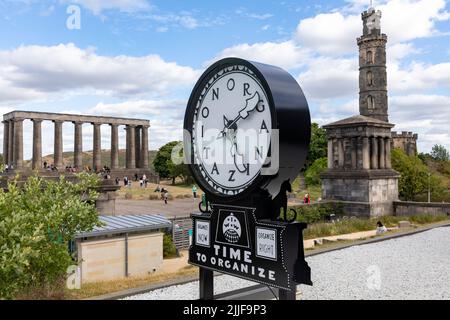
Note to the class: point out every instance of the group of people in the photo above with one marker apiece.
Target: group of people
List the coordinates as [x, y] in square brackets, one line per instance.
[143, 181]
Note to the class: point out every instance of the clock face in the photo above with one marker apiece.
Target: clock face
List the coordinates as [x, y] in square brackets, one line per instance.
[231, 129]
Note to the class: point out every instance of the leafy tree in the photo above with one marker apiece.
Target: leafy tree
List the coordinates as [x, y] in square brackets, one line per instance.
[439, 153]
[415, 176]
[37, 220]
[166, 168]
[312, 177]
[163, 161]
[318, 145]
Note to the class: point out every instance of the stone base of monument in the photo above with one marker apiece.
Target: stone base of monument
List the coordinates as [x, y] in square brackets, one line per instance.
[369, 193]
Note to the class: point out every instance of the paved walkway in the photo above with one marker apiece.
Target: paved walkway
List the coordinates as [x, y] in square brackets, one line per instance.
[178, 207]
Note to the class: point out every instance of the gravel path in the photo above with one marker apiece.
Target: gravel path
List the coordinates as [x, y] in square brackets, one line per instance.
[412, 267]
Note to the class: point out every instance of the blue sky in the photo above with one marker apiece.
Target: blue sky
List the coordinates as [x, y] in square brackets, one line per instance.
[139, 58]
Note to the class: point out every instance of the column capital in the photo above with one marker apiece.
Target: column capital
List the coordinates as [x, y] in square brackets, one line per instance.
[77, 122]
[17, 119]
[58, 121]
[36, 120]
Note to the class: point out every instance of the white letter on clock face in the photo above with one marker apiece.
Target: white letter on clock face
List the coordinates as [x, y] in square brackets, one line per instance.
[231, 131]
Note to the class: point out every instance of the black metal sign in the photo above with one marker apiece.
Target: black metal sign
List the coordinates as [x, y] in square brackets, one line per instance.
[230, 240]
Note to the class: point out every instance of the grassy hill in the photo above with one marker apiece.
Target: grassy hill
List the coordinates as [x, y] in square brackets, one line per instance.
[87, 158]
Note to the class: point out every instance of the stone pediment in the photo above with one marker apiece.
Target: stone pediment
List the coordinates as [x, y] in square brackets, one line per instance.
[359, 120]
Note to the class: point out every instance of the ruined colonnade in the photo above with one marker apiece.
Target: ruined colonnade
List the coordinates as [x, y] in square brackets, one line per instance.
[136, 139]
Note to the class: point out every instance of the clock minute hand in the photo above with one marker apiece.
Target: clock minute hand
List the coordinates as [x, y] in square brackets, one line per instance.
[250, 105]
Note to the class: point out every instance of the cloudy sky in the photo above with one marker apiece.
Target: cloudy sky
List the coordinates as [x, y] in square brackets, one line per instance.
[141, 58]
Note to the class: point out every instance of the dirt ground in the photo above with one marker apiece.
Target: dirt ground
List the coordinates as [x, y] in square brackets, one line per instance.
[174, 208]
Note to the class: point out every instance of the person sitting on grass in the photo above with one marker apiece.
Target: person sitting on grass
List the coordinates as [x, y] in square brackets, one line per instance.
[381, 228]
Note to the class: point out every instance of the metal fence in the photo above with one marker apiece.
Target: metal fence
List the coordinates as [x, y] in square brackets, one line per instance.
[181, 231]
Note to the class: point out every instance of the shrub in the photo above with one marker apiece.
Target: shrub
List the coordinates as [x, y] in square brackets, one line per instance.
[154, 197]
[312, 174]
[317, 212]
[37, 221]
[169, 249]
[128, 196]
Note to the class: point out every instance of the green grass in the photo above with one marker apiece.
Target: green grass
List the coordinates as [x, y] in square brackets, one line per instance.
[351, 225]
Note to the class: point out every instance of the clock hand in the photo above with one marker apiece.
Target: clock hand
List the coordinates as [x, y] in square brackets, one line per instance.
[250, 105]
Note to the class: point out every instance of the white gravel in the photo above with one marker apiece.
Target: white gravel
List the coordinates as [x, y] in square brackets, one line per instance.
[411, 267]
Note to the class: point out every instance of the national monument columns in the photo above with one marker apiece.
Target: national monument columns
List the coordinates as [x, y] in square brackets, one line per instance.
[136, 140]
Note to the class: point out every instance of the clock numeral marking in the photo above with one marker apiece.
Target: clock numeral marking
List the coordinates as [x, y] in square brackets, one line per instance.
[260, 106]
[203, 131]
[264, 127]
[206, 149]
[214, 169]
[259, 152]
[231, 84]
[247, 168]
[215, 94]
[205, 112]
[232, 172]
[246, 87]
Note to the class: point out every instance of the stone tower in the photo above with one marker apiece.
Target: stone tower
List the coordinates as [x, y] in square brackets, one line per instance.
[359, 175]
[373, 100]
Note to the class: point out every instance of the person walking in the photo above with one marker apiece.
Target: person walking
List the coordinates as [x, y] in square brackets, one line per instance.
[166, 196]
[194, 191]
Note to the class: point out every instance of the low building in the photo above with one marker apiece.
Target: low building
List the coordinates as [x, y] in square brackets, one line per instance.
[127, 245]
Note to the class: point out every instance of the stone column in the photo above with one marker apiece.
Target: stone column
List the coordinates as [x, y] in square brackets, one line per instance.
[359, 154]
[144, 152]
[97, 160]
[5, 141]
[365, 153]
[58, 149]
[341, 152]
[354, 146]
[18, 143]
[137, 141]
[78, 146]
[381, 159]
[114, 146]
[387, 153]
[131, 147]
[127, 147]
[330, 154]
[374, 153]
[37, 144]
[11, 143]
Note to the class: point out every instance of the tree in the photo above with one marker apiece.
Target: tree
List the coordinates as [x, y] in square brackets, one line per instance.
[166, 168]
[163, 161]
[439, 153]
[414, 176]
[312, 174]
[318, 145]
[37, 220]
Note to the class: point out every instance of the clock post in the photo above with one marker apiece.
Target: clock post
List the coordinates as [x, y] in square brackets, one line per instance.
[246, 136]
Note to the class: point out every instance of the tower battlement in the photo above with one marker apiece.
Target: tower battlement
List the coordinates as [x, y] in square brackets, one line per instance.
[405, 140]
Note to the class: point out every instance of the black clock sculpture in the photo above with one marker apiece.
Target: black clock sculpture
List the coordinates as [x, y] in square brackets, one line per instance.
[247, 132]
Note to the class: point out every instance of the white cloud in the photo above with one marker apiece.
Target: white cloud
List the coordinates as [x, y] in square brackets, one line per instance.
[426, 114]
[98, 6]
[402, 20]
[330, 33]
[149, 108]
[284, 54]
[33, 72]
[330, 78]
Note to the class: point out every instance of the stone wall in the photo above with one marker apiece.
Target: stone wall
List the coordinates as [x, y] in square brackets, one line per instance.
[410, 208]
